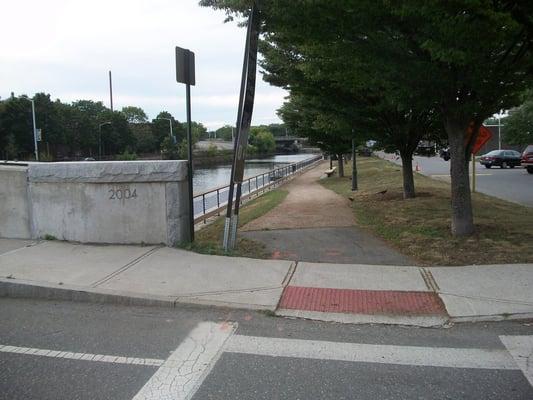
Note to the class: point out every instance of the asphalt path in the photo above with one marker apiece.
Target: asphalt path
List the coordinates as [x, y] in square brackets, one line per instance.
[65, 350]
[512, 184]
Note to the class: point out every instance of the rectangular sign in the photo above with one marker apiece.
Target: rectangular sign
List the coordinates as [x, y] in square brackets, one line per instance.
[38, 134]
[185, 66]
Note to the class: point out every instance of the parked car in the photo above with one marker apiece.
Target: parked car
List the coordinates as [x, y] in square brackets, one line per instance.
[501, 158]
[445, 154]
[527, 158]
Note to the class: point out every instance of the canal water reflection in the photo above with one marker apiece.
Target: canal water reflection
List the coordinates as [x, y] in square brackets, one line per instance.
[206, 178]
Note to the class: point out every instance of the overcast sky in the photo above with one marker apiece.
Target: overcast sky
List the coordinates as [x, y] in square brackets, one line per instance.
[66, 48]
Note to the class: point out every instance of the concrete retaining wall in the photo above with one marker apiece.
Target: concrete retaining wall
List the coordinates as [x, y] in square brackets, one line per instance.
[105, 202]
[14, 206]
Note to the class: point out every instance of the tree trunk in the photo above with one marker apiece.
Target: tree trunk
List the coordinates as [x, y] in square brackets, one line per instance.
[354, 167]
[462, 216]
[408, 178]
[341, 165]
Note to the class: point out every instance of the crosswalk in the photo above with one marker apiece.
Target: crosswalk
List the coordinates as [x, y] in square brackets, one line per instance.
[179, 376]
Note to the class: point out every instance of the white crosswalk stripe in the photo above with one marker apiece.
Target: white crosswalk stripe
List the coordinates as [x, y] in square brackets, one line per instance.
[149, 362]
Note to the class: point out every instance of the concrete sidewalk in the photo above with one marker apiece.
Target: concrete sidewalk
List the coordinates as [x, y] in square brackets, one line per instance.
[315, 224]
[354, 293]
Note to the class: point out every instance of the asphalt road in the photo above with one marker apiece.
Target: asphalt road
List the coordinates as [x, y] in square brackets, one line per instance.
[63, 350]
[514, 185]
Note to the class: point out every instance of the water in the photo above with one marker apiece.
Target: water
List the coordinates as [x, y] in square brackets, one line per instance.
[206, 178]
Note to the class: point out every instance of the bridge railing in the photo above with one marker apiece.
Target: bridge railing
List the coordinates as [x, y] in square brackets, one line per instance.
[211, 202]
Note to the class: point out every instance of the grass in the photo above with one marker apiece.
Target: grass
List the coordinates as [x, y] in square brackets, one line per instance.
[208, 240]
[420, 227]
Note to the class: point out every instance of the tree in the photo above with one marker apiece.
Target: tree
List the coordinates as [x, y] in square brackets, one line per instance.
[161, 127]
[145, 140]
[225, 133]
[134, 115]
[262, 139]
[309, 117]
[117, 137]
[16, 127]
[198, 130]
[465, 60]
[519, 124]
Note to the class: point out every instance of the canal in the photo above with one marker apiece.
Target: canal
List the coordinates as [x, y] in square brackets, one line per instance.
[213, 176]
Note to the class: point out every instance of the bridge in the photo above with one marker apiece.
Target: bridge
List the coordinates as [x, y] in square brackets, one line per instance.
[290, 144]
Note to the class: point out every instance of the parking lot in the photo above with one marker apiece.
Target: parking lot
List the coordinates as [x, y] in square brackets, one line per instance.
[514, 185]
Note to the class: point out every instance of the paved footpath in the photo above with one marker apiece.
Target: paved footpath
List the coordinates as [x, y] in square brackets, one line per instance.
[353, 293]
[317, 225]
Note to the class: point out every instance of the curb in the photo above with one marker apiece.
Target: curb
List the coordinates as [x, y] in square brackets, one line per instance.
[10, 288]
[30, 290]
[358, 319]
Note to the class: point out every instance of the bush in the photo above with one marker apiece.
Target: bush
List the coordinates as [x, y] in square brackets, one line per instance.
[212, 150]
[126, 156]
[263, 140]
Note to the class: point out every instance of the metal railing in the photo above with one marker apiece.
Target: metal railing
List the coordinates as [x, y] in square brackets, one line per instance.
[211, 202]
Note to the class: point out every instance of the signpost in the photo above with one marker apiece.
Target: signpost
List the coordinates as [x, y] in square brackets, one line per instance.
[244, 120]
[185, 74]
[483, 136]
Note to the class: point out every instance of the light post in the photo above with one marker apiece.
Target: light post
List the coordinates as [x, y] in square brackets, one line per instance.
[34, 128]
[170, 124]
[100, 139]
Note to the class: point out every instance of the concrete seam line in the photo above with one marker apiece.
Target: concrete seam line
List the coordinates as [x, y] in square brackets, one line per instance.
[472, 358]
[286, 282]
[152, 362]
[184, 370]
[257, 289]
[429, 280]
[524, 303]
[37, 243]
[290, 273]
[125, 267]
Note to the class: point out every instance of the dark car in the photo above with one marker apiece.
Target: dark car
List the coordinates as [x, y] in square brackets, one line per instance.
[527, 158]
[445, 154]
[501, 158]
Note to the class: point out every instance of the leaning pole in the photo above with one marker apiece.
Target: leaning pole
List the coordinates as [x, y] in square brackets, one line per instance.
[244, 120]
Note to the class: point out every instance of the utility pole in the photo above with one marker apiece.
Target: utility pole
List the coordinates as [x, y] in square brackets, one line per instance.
[111, 90]
[35, 148]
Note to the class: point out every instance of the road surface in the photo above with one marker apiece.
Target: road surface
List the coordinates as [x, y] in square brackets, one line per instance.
[62, 350]
[514, 185]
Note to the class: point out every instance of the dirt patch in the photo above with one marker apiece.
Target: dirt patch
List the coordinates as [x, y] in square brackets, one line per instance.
[308, 205]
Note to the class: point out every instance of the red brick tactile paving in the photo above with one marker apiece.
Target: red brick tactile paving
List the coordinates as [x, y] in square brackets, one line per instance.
[350, 301]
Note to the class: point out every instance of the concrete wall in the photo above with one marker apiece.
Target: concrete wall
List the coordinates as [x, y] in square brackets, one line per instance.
[109, 202]
[14, 206]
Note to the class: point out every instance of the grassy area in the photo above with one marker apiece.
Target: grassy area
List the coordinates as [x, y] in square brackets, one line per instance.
[420, 227]
[209, 239]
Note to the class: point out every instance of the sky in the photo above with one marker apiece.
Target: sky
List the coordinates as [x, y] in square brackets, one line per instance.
[67, 47]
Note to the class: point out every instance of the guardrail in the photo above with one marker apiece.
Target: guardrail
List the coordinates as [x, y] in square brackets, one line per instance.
[211, 202]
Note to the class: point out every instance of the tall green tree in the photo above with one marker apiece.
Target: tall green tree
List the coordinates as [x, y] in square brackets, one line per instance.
[464, 59]
[134, 115]
[225, 133]
[262, 140]
[518, 126]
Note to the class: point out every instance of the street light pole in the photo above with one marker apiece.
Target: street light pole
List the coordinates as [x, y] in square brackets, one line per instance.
[100, 139]
[170, 124]
[34, 130]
